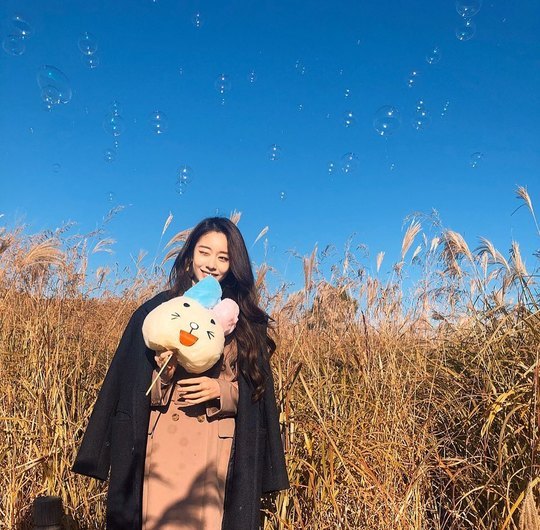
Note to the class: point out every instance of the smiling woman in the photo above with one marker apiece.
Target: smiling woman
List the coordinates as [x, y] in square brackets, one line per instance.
[204, 448]
[211, 256]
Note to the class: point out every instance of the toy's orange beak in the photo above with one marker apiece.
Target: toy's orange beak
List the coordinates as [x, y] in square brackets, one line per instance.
[187, 339]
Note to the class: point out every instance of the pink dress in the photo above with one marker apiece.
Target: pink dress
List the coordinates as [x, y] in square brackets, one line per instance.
[188, 451]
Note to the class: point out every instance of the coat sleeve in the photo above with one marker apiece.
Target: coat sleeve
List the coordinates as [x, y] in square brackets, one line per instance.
[94, 456]
[275, 471]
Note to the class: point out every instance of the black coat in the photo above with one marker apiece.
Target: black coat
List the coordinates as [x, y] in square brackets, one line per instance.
[115, 439]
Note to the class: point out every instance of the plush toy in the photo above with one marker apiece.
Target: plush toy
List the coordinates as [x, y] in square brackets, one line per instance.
[192, 326]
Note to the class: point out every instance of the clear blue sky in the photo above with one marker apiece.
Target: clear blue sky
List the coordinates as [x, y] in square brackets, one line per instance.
[306, 56]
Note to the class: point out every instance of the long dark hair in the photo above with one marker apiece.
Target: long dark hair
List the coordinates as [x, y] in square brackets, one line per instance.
[251, 331]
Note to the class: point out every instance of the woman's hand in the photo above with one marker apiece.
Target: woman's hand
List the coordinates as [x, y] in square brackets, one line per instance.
[168, 372]
[198, 390]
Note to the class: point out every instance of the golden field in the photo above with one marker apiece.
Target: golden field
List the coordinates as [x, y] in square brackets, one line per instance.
[408, 400]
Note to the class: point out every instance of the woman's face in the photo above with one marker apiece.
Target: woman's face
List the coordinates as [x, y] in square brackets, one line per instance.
[210, 256]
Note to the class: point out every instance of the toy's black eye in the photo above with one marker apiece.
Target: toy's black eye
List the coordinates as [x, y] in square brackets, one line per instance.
[186, 304]
[212, 321]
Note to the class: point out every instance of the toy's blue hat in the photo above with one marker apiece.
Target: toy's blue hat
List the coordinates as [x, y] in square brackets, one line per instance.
[207, 292]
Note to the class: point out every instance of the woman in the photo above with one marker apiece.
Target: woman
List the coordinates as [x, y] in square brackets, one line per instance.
[120, 436]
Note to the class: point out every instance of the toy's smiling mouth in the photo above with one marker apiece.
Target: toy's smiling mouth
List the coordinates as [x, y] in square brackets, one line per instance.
[187, 339]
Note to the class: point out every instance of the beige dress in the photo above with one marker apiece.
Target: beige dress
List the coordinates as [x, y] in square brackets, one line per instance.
[188, 451]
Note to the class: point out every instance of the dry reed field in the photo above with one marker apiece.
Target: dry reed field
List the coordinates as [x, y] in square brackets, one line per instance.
[408, 400]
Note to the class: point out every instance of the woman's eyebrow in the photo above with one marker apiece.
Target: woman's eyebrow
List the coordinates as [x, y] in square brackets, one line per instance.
[209, 248]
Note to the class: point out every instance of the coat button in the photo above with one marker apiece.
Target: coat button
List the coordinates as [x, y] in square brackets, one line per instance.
[200, 418]
[175, 417]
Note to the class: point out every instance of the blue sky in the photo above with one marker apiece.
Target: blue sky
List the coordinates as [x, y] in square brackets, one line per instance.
[306, 56]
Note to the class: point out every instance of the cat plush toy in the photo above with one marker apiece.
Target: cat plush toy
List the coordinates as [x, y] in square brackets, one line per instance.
[193, 326]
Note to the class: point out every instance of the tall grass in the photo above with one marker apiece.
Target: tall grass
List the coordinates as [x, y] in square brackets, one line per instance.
[401, 408]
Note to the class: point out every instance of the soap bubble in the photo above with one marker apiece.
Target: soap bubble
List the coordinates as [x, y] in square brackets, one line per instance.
[282, 195]
[197, 20]
[114, 124]
[109, 155]
[111, 196]
[466, 30]
[158, 122]
[413, 77]
[392, 166]
[184, 175]
[347, 92]
[21, 27]
[468, 8]
[252, 76]
[115, 108]
[331, 168]
[56, 167]
[87, 43]
[222, 84]
[274, 152]
[299, 66]
[91, 61]
[180, 70]
[54, 85]
[349, 163]
[50, 96]
[445, 108]
[475, 159]
[422, 118]
[300, 107]
[433, 56]
[387, 120]
[13, 45]
[349, 119]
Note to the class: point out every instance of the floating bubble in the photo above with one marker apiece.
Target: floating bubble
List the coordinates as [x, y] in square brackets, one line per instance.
[299, 66]
[445, 108]
[56, 167]
[111, 196]
[282, 195]
[91, 61]
[349, 163]
[114, 124]
[331, 168]
[21, 27]
[13, 45]
[87, 43]
[422, 118]
[252, 76]
[180, 71]
[109, 155]
[185, 174]
[387, 120]
[347, 92]
[392, 166]
[222, 84]
[158, 122]
[274, 152]
[468, 8]
[54, 85]
[349, 119]
[413, 77]
[475, 159]
[116, 144]
[300, 107]
[115, 108]
[50, 96]
[196, 20]
[433, 56]
[466, 30]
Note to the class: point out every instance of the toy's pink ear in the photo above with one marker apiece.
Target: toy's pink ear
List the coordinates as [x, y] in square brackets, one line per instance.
[226, 312]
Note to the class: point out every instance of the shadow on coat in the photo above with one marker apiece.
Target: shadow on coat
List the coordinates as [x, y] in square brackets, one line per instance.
[187, 511]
